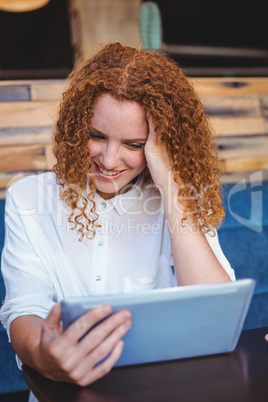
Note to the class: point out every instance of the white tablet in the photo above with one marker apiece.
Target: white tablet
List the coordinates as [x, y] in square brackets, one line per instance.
[175, 323]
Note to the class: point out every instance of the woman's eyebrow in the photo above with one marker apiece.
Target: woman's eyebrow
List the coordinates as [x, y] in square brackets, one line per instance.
[96, 131]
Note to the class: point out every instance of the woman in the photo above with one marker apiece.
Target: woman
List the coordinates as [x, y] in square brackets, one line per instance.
[135, 192]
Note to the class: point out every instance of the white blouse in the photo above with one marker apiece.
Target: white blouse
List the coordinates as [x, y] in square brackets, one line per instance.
[43, 261]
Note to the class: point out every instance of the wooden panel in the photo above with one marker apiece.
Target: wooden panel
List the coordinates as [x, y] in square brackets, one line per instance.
[32, 82]
[239, 125]
[25, 135]
[238, 111]
[230, 87]
[227, 142]
[47, 91]
[247, 176]
[11, 93]
[264, 105]
[240, 154]
[204, 86]
[50, 158]
[223, 106]
[17, 159]
[240, 147]
[245, 164]
[28, 114]
[257, 151]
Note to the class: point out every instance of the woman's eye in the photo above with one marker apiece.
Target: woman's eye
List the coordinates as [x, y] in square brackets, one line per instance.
[96, 137]
[136, 146]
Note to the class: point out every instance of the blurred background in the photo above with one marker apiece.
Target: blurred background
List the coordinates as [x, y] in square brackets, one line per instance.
[207, 38]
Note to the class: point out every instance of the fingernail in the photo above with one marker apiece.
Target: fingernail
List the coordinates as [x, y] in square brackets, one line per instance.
[127, 324]
[106, 309]
[103, 308]
[125, 315]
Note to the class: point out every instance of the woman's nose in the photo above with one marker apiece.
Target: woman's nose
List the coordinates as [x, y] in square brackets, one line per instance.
[110, 156]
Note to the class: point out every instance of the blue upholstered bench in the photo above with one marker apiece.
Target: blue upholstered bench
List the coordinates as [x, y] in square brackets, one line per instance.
[244, 240]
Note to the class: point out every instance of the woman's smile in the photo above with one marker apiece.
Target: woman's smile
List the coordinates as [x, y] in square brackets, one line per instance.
[108, 174]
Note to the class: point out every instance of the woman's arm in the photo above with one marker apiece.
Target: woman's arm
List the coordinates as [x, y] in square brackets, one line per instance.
[194, 260]
[41, 344]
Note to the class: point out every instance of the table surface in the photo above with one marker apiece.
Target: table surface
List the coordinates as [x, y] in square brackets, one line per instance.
[240, 376]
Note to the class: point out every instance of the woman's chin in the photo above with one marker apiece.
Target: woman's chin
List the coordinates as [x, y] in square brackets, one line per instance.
[106, 190]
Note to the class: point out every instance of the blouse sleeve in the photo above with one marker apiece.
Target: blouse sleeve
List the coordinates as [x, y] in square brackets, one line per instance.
[29, 289]
[216, 248]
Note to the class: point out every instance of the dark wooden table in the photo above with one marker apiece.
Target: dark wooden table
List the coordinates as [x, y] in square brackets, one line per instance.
[240, 376]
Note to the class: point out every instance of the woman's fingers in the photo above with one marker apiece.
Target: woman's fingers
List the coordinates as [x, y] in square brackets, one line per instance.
[95, 337]
[107, 345]
[64, 358]
[157, 157]
[60, 347]
[103, 368]
[88, 362]
[64, 349]
[84, 323]
[152, 137]
[112, 328]
[99, 342]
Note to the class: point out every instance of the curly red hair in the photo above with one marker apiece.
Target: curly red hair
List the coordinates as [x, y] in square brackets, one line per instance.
[155, 81]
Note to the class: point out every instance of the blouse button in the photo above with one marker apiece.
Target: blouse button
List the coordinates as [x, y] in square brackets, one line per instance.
[98, 278]
[103, 205]
[100, 243]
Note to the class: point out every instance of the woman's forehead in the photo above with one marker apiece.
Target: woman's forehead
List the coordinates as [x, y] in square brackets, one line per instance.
[108, 104]
[111, 114]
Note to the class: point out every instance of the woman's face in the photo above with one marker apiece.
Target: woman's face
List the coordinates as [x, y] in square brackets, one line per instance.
[118, 132]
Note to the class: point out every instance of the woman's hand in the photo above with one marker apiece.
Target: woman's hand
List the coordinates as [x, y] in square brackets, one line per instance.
[157, 157]
[61, 357]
